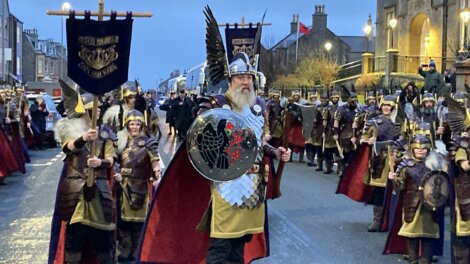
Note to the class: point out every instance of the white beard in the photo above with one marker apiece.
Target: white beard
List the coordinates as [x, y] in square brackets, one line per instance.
[240, 99]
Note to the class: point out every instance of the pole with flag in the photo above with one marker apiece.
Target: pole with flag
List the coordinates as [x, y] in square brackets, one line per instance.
[297, 39]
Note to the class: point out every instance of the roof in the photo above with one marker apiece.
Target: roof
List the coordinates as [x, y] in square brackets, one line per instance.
[358, 43]
[287, 41]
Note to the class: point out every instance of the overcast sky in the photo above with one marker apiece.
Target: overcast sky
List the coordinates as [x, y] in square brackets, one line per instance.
[174, 37]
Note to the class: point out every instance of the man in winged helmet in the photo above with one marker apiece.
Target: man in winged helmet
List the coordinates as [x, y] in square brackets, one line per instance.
[234, 222]
[84, 213]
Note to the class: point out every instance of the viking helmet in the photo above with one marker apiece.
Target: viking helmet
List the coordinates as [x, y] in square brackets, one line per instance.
[134, 115]
[371, 95]
[334, 94]
[274, 92]
[388, 100]
[352, 98]
[127, 91]
[459, 97]
[428, 97]
[419, 141]
[241, 65]
[422, 128]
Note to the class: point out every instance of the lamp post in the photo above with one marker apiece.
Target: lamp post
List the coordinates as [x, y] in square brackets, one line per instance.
[465, 15]
[392, 23]
[328, 47]
[66, 6]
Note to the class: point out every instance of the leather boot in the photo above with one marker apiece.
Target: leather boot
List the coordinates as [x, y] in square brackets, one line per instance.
[375, 226]
[73, 257]
[340, 167]
[301, 157]
[106, 258]
[426, 251]
[320, 164]
[310, 159]
[124, 246]
[460, 254]
[329, 167]
[135, 242]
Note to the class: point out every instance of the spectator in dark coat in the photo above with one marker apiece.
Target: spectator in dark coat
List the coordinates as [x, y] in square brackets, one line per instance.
[183, 116]
[38, 113]
[433, 80]
[170, 116]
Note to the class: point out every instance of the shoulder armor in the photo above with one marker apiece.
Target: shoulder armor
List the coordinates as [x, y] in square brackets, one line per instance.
[106, 133]
[152, 145]
[405, 163]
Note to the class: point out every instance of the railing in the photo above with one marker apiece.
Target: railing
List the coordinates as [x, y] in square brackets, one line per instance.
[350, 69]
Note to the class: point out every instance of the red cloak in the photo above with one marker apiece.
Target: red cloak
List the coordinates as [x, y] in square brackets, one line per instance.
[351, 183]
[169, 234]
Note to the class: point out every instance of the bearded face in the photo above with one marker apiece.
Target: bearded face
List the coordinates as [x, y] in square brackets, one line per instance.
[241, 90]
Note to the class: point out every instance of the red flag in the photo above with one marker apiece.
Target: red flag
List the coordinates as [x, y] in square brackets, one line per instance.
[303, 28]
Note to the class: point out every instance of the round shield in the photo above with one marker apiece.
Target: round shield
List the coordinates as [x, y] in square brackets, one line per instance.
[434, 189]
[221, 145]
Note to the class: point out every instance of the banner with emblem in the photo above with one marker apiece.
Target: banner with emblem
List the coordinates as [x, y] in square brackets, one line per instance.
[98, 52]
[240, 40]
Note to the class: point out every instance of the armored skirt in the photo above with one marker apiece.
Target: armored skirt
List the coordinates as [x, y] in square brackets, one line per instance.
[229, 221]
[422, 225]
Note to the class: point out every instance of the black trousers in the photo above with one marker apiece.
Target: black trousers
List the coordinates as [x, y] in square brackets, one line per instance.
[78, 234]
[227, 250]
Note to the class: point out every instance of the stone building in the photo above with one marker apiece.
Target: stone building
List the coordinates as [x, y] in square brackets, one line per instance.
[316, 40]
[424, 30]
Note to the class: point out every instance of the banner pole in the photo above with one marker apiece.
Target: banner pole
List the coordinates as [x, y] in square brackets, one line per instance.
[94, 113]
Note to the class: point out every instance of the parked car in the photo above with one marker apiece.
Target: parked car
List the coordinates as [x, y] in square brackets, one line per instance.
[51, 119]
[161, 100]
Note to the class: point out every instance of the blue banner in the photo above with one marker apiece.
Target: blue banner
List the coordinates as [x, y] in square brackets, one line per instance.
[98, 53]
[240, 40]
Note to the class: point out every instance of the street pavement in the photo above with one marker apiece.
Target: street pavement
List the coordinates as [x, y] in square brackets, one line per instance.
[308, 224]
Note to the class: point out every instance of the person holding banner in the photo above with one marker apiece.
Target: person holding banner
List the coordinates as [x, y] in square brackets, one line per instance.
[83, 214]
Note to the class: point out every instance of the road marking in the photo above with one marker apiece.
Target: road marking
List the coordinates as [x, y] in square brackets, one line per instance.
[39, 164]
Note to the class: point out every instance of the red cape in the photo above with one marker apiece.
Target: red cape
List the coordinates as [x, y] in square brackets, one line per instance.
[169, 234]
[59, 229]
[8, 161]
[351, 183]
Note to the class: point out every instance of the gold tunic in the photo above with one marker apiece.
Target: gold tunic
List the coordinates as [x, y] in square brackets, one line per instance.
[231, 222]
[462, 228]
[91, 213]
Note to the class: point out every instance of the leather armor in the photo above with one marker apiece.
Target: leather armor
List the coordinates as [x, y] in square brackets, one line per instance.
[136, 168]
[74, 181]
[415, 171]
[462, 181]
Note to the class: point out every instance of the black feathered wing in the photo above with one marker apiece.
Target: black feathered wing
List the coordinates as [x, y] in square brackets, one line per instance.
[215, 50]
[456, 116]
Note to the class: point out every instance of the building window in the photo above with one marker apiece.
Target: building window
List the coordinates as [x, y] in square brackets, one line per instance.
[51, 68]
[389, 16]
[18, 34]
[18, 65]
[46, 67]
[40, 65]
[464, 23]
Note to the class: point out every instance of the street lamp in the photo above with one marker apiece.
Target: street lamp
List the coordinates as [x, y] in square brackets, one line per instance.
[465, 15]
[392, 23]
[66, 6]
[328, 46]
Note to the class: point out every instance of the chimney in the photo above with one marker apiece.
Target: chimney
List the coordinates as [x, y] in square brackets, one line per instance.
[293, 24]
[319, 18]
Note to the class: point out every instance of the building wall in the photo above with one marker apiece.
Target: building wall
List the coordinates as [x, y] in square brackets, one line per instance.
[408, 37]
[29, 61]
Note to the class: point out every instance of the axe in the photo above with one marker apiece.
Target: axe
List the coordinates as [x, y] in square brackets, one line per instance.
[378, 146]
